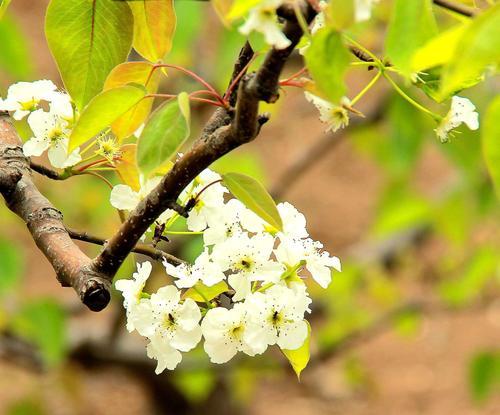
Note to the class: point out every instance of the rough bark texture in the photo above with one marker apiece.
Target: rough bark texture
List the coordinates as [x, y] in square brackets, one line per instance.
[73, 268]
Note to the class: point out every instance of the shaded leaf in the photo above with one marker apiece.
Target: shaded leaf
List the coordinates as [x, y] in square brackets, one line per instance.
[165, 131]
[299, 358]
[102, 110]
[15, 56]
[88, 39]
[126, 167]
[484, 375]
[490, 139]
[11, 266]
[254, 196]
[154, 27]
[139, 73]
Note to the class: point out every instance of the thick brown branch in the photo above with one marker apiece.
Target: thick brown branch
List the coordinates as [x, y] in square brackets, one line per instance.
[224, 132]
[72, 266]
[153, 253]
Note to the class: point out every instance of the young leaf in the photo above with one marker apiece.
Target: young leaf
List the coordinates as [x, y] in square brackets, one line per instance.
[491, 142]
[126, 167]
[167, 128]
[479, 47]
[412, 24]
[201, 293]
[102, 110]
[299, 358]
[327, 60]
[154, 27]
[88, 39]
[254, 196]
[133, 72]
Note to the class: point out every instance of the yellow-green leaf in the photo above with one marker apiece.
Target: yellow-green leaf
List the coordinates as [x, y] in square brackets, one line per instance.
[102, 110]
[299, 358]
[438, 50]
[4, 4]
[166, 130]
[126, 166]
[133, 72]
[479, 47]
[254, 196]
[88, 39]
[491, 142]
[412, 24]
[154, 27]
[240, 8]
[201, 293]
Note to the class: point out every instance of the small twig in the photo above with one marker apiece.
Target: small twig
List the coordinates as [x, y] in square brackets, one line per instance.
[47, 172]
[456, 7]
[143, 249]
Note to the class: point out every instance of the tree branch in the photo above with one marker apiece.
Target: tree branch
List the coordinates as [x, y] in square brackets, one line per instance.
[72, 266]
[456, 7]
[225, 131]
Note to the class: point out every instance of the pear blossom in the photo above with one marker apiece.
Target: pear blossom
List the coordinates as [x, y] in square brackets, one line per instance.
[462, 111]
[336, 116]
[317, 261]
[50, 132]
[225, 333]
[262, 18]
[277, 317]
[167, 356]
[363, 9]
[24, 97]
[225, 222]
[247, 259]
[61, 105]
[132, 291]
[203, 269]
[209, 202]
[317, 24]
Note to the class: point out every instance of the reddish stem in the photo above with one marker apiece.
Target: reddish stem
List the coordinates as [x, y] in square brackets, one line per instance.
[238, 78]
[94, 163]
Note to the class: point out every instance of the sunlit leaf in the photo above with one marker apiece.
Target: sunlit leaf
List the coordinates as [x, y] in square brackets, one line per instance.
[165, 131]
[126, 166]
[327, 60]
[254, 196]
[240, 8]
[201, 293]
[88, 39]
[15, 57]
[102, 110]
[412, 24]
[44, 323]
[299, 358]
[154, 27]
[478, 48]
[490, 138]
[139, 73]
[4, 4]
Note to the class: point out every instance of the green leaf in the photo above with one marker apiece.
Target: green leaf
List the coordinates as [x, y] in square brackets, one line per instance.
[15, 57]
[102, 110]
[4, 4]
[154, 27]
[166, 130]
[201, 293]
[438, 50]
[44, 323]
[11, 266]
[241, 8]
[299, 358]
[478, 47]
[412, 24]
[484, 374]
[327, 60]
[88, 39]
[490, 139]
[138, 73]
[254, 196]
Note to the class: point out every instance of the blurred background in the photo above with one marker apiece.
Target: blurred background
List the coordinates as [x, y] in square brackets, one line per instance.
[412, 324]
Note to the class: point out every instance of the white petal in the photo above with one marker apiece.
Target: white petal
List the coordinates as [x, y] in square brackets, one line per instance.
[35, 147]
[186, 340]
[124, 198]
[292, 335]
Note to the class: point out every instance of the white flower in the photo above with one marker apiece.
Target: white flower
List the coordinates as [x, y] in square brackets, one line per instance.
[246, 260]
[319, 263]
[132, 290]
[50, 132]
[24, 97]
[224, 332]
[461, 111]
[363, 9]
[262, 18]
[167, 356]
[60, 104]
[318, 23]
[204, 270]
[224, 223]
[334, 115]
[277, 317]
[211, 199]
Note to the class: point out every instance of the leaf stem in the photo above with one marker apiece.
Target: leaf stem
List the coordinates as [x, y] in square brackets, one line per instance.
[366, 88]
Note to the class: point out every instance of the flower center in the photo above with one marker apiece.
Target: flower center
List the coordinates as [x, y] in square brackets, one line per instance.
[29, 105]
[56, 135]
[245, 264]
[237, 332]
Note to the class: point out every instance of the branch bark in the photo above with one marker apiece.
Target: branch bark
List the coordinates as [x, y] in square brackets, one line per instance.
[73, 268]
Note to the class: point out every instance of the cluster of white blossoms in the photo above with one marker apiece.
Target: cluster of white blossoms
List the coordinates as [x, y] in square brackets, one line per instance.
[260, 267]
[51, 126]
[462, 111]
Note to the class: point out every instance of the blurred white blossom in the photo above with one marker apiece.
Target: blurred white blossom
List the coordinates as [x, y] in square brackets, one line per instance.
[462, 111]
